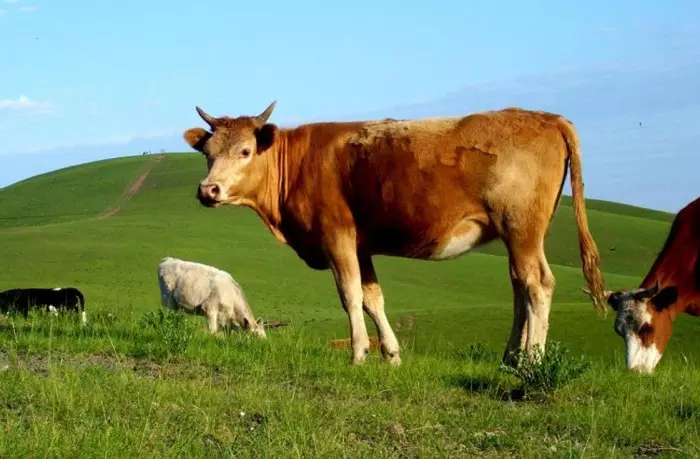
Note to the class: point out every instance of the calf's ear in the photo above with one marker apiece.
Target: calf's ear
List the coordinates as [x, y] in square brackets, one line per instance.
[196, 138]
[665, 298]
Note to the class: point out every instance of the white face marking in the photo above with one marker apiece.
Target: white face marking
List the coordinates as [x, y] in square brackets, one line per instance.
[459, 244]
[632, 315]
[639, 358]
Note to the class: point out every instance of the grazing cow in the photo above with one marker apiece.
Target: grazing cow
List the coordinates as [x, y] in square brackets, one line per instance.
[340, 192]
[672, 286]
[208, 291]
[53, 299]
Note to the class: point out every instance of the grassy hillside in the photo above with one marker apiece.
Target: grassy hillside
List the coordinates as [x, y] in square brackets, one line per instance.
[104, 226]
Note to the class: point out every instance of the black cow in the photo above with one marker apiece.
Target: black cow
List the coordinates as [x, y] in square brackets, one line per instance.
[52, 299]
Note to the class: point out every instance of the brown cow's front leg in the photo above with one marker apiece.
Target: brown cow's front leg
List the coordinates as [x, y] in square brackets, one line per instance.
[346, 271]
[373, 302]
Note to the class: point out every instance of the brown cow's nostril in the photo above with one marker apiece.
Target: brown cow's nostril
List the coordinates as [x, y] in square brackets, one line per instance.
[210, 191]
[208, 194]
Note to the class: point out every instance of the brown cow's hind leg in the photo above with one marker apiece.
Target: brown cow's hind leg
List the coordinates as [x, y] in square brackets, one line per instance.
[533, 284]
[518, 334]
[373, 303]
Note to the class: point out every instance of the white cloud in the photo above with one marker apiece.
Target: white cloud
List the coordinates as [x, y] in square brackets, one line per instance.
[26, 105]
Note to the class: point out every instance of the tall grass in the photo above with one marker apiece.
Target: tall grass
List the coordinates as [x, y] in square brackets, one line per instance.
[292, 396]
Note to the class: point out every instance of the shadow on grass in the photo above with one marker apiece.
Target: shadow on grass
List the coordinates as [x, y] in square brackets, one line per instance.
[488, 386]
[687, 412]
[45, 330]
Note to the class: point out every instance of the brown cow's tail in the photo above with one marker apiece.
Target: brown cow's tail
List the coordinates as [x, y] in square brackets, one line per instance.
[590, 257]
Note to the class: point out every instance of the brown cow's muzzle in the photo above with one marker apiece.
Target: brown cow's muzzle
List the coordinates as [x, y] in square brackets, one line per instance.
[208, 194]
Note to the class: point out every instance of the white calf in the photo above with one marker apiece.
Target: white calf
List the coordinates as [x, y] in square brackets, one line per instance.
[208, 291]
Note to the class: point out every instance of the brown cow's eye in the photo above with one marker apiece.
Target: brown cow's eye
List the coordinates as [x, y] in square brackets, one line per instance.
[245, 153]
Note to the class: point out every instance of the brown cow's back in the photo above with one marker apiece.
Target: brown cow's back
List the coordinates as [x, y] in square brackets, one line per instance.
[678, 263]
[408, 185]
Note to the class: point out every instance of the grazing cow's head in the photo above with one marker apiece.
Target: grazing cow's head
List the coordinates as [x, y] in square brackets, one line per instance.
[233, 149]
[644, 322]
[257, 327]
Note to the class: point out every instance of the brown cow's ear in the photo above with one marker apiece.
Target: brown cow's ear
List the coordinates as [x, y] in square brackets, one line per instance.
[647, 292]
[665, 298]
[266, 136]
[196, 138]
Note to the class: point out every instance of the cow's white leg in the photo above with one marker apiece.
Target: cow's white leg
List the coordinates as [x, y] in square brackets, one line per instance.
[212, 319]
[541, 304]
[165, 299]
[537, 280]
[373, 303]
[346, 271]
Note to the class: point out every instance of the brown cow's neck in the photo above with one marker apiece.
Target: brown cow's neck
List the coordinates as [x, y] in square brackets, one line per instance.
[292, 145]
[676, 264]
[280, 165]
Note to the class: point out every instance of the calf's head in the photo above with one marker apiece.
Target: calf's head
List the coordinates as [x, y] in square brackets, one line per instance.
[257, 327]
[643, 319]
[234, 149]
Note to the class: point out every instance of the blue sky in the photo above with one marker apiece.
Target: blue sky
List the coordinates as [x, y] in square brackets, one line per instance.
[86, 80]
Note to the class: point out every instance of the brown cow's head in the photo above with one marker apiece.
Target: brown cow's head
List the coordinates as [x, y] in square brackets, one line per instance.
[233, 149]
[644, 321]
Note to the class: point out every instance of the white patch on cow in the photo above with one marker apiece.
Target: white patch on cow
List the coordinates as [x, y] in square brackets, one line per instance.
[632, 316]
[640, 358]
[643, 316]
[459, 243]
[57, 289]
[53, 309]
[83, 318]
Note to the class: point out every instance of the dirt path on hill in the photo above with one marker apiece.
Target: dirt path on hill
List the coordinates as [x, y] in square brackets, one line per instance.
[133, 188]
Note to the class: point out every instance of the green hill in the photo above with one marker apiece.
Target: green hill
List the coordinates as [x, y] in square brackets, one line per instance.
[96, 227]
[84, 392]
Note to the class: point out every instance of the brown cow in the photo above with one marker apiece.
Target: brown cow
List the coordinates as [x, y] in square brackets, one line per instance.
[340, 192]
[645, 315]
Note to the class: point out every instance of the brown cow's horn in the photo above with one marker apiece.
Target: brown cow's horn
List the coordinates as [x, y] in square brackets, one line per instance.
[210, 120]
[262, 118]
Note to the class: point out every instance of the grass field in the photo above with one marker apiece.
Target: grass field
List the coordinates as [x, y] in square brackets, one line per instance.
[102, 391]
